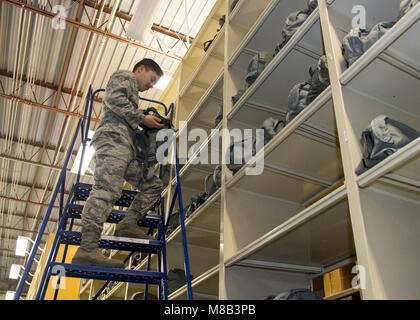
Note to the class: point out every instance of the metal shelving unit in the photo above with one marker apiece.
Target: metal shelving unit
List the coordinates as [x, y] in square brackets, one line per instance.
[308, 212]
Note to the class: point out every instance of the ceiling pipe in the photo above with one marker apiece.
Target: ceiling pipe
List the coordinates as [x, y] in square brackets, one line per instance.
[90, 75]
[100, 32]
[18, 69]
[76, 85]
[51, 119]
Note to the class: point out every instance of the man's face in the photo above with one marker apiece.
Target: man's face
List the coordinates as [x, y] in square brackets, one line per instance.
[145, 79]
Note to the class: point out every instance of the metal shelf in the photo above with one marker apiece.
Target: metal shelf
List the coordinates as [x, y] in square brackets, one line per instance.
[318, 236]
[208, 68]
[265, 32]
[207, 108]
[290, 66]
[299, 162]
[203, 226]
[205, 287]
[247, 12]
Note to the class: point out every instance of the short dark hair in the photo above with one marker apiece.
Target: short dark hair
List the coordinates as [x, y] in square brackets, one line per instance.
[149, 64]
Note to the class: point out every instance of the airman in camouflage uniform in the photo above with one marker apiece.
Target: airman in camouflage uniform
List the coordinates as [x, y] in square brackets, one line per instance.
[120, 149]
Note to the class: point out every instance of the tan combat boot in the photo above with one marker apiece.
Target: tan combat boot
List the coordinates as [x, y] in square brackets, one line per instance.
[88, 253]
[128, 227]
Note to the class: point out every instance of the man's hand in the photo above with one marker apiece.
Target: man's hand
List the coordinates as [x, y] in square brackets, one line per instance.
[151, 122]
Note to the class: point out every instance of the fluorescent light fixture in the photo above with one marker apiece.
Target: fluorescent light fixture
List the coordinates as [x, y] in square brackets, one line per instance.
[14, 271]
[141, 23]
[163, 82]
[89, 151]
[10, 295]
[21, 246]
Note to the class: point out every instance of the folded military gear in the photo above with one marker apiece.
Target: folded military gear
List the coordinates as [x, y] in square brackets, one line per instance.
[219, 116]
[271, 126]
[212, 181]
[173, 223]
[140, 296]
[235, 156]
[303, 93]
[296, 294]
[233, 5]
[237, 96]
[382, 138]
[196, 202]
[256, 66]
[207, 44]
[248, 145]
[406, 6]
[293, 21]
[176, 279]
[319, 79]
[358, 41]
[297, 99]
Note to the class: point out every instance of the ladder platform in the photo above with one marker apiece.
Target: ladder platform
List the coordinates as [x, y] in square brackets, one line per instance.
[115, 243]
[74, 211]
[107, 274]
[82, 191]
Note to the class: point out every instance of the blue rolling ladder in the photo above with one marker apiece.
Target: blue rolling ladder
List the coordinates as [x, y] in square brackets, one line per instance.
[72, 210]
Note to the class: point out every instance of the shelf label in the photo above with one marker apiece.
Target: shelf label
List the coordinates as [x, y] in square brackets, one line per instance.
[346, 138]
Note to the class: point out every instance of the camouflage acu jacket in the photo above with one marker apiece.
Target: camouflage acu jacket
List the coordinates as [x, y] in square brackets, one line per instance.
[120, 115]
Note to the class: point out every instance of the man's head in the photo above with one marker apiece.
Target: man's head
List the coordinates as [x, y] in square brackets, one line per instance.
[147, 73]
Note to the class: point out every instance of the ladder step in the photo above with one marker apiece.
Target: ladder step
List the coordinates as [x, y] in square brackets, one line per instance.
[149, 221]
[82, 191]
[115, 243]
[107, 274]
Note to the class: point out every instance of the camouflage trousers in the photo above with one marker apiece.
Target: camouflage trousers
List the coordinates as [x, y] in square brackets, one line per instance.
[114, 163]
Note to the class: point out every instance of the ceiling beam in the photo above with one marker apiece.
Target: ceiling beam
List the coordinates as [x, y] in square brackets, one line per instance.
[27, 185]
[88, 28]
[48, 166]
[21, 215]
[47, 85]
[127, 17]
[34, 144]
[28, 202]
[34, 163]
[42, 106]
[23, 230]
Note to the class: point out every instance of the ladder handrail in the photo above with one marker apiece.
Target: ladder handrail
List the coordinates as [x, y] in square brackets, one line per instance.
[37, 241]
[42, 288]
